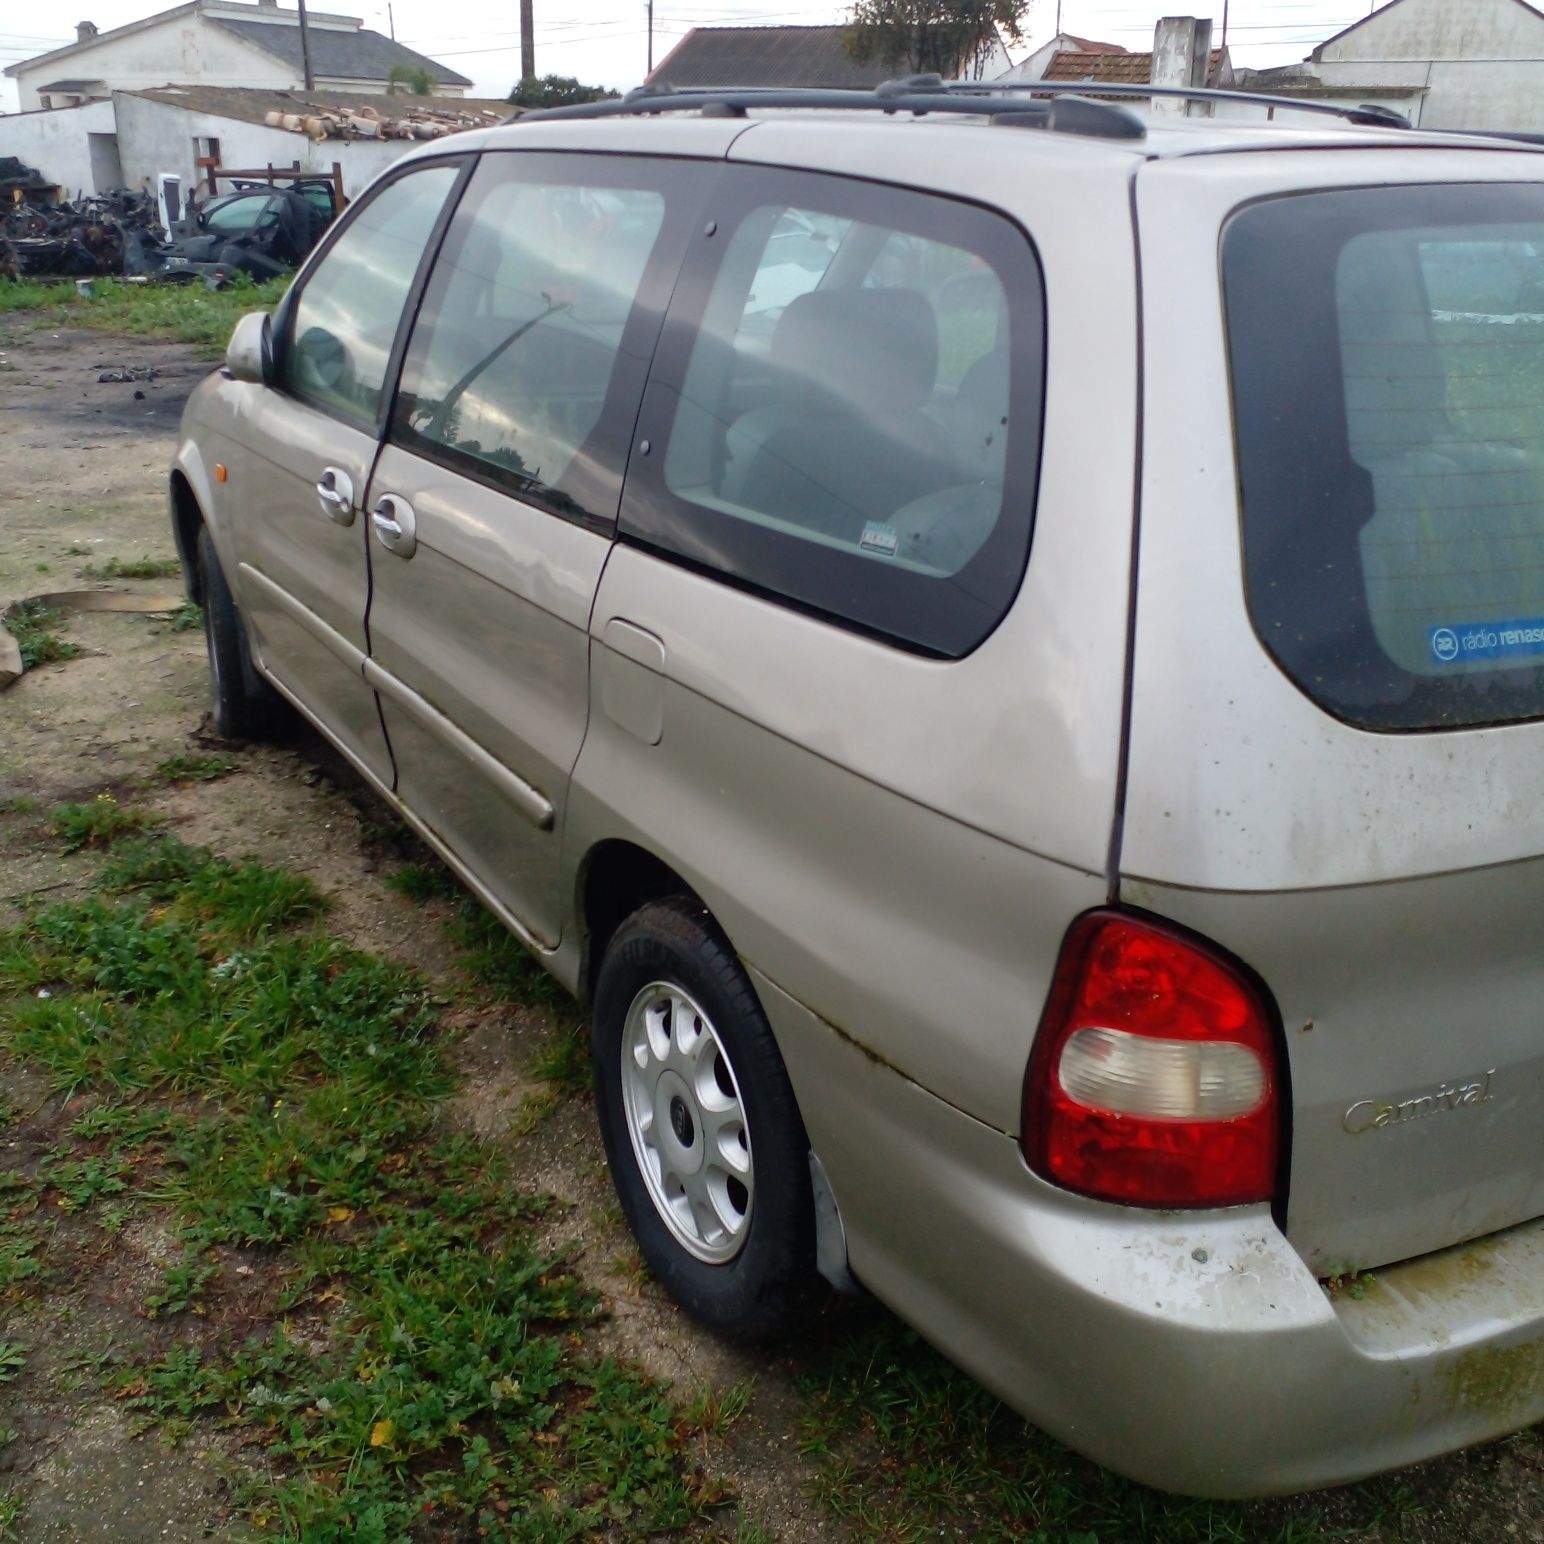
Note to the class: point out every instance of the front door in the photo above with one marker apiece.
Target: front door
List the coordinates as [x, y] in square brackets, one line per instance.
[304, 576]
[492, 507]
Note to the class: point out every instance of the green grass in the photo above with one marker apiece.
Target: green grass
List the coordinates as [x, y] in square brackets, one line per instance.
[28, 294]
[183, 313]
[134, 568]
[185, 767]
[497, 962]
[32, 625]
[424, 882]
[97, 823]
[909, 1448]
[415, 1365]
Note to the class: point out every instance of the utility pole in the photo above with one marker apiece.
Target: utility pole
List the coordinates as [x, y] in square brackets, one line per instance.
[1057, 33]
[305, 49]
[527, 40]
[391, 21]
[651, 37]
[1224, 42]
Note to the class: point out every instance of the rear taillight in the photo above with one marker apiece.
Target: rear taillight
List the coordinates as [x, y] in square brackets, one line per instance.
[1153, 1079]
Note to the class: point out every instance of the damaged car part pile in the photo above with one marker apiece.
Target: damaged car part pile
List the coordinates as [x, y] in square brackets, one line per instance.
[258, 229]
[101, 234]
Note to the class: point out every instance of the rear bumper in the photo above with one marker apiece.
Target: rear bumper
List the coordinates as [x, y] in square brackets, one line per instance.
[1195, 1352]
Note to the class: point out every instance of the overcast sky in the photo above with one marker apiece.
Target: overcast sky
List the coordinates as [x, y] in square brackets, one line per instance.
[606, 41]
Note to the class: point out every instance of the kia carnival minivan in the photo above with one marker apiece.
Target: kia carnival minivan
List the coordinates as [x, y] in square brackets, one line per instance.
[1000, 647]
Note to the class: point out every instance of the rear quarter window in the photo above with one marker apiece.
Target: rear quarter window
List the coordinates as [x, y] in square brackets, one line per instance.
[845, 409]
[1386, 348]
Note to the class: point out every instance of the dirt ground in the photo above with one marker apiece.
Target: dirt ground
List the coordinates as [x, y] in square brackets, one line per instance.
[82, 468]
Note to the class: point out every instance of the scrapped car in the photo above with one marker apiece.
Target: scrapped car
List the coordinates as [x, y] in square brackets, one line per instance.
[999, 645]
[258, 230]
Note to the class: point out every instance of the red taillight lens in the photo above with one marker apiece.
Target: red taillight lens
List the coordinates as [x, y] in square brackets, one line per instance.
[1153, 1079]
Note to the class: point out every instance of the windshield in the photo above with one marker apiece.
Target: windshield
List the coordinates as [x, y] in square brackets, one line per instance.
[245, 212]
[1387, 352]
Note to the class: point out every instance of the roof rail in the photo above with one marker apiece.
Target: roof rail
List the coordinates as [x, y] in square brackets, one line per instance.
[921, 94]
[1365, 112]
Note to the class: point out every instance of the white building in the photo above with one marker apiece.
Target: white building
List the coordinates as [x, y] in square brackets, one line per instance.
[132, 138]
[1467, 64]
[221, 43]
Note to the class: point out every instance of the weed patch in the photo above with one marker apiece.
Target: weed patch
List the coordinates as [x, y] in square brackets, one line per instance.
[133, 568]
[424, 882]
[32, 625]
[97, 823]
[27, 295]
[417, 1366]
[188, 768]
[186, 618]
[181, 313]
[496, 961]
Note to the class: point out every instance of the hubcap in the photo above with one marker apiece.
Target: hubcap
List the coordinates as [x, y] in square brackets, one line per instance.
[687, 1123]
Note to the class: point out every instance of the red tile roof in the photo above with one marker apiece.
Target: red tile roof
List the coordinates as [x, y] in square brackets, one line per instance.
[1124, 69]
[1091, 46]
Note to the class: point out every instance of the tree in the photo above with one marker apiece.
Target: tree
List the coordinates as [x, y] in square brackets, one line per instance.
[414, 76]
[557, 91]
[927, 37]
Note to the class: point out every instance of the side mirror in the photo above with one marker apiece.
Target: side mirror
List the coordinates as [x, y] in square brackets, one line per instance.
[249, 354]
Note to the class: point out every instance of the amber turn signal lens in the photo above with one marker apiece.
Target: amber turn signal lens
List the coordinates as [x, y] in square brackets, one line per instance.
[220, 474]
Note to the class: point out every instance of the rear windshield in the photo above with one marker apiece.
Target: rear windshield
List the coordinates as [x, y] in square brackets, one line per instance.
[1387, 354]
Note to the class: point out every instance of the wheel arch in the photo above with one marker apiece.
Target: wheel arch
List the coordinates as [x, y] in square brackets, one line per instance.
[615, 878]
[187, 517]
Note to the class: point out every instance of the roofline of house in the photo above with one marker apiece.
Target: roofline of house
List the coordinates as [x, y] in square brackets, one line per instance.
[831, 26]
[124, 31]
[131, 27]
[1317, 54]
[676, 48]
[450, 78]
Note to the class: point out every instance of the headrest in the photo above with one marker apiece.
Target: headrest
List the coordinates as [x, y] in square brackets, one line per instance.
[877, 348]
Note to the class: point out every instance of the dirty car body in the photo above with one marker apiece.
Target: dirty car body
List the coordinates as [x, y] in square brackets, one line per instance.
[1076, 640]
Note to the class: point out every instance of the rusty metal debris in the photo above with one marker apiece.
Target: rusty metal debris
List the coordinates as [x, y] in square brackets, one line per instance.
[319, 123]
[42, 236]
[259, 228]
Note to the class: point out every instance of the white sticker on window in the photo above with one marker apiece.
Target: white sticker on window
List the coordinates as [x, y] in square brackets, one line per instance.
[879, 537]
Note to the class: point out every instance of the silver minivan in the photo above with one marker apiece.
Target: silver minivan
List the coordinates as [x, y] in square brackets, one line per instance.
[1006, 668]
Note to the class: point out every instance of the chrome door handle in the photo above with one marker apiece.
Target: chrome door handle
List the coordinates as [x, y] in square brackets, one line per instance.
[396, 527]
[336, 491]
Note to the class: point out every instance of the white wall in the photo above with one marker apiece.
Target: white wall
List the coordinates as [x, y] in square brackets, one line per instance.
[55, 142]
[1421, 30]
[187, 48]
[1482, 60]
[1035, 66]
[182, 48]
[154, 137]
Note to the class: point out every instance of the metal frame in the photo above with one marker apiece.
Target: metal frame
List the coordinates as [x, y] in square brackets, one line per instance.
[921, 94]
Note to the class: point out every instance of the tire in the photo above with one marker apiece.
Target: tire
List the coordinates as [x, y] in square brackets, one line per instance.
[737, 1249]
[243, 706]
